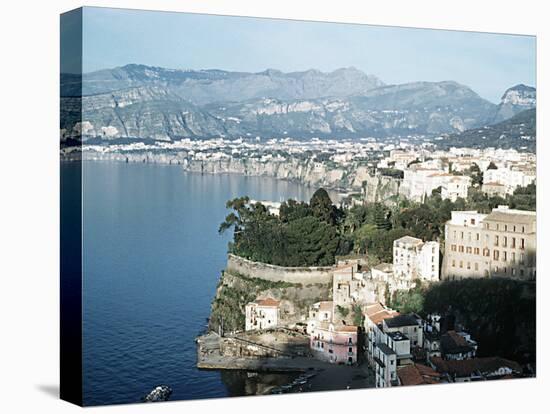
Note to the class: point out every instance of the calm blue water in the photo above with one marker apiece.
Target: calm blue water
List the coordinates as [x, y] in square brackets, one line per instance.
[152, 259]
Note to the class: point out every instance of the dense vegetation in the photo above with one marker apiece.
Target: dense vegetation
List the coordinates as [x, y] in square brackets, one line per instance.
[499, 313]
[314, 233]
[304, 234]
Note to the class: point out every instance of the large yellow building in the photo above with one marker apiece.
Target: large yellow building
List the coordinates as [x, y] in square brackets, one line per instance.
[499, 244]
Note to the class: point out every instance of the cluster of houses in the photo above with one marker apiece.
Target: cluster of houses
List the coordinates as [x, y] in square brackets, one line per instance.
[406, 349]
[425, 171]
[409, 350]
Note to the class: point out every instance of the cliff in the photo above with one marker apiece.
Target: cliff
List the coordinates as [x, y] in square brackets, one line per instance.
[350, 178]
[235, 290]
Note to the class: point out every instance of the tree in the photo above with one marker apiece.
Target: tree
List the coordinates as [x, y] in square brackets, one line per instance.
[322, 207]
[476, 175]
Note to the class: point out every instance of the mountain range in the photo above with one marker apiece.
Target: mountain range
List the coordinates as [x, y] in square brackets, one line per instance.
[137, 101]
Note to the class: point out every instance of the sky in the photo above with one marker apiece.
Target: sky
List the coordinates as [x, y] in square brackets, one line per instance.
[488, 63]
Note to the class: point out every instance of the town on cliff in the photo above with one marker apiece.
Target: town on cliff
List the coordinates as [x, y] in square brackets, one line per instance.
[369, 291]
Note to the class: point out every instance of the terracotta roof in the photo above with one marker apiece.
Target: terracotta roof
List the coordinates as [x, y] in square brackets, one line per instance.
[376, 312]
[268, 302]
[418, 374]
[325, 305]
[346, 328]
[469, 367]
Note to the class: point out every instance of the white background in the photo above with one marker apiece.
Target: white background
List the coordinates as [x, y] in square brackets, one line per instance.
[29, 204]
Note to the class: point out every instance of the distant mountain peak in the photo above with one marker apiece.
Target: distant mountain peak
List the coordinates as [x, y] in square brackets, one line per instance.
[516, 99]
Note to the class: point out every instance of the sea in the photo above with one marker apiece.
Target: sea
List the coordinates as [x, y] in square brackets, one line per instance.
[152, 257]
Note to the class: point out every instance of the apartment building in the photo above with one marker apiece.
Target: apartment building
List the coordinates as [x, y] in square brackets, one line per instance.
[499, 244]
[510, 177]
[414, 259]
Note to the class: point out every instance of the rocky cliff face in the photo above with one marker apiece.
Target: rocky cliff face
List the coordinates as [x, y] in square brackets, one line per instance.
[352, 177]
[515, 100]
[138, 101]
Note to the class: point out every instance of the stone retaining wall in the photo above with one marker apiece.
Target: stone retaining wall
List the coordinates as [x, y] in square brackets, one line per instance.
[303, 275]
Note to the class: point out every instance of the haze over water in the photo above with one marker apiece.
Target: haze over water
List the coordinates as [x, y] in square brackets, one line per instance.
[152, 258]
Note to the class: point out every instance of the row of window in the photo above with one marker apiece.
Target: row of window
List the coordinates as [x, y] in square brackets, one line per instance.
[496, 269]
[497, 239]
[502, 255]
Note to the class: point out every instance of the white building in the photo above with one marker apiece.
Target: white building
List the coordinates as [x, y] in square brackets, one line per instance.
[262, 314]
[455, 187]
[414, 259]
[511, 178]
[419, 182]
[318, 313]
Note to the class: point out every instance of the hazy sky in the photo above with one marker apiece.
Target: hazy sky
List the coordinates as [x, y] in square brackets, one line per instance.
[488, 63]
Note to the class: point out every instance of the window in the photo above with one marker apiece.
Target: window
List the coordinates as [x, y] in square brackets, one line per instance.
[521, 272]
[522, 245]
[469, 250]
[514, 228]
[496, 240]
[477, 236]
[453, 247]
[513, 241]
[513, 272]
[476, 250]
[454, 263]
[504, 256]
[461, 264]
[506, 227]
[513, 257]
[521, 258]
[472, 222]
[523, 229]
[486, 252]
[469, 236]
[496, 269]
[461, 235]
[454, 234]
[350, 349]
[497, 226]
[495, 254]
[468, 266]
[476, 266]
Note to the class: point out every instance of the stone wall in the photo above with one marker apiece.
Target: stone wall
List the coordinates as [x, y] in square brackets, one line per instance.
[303, 275]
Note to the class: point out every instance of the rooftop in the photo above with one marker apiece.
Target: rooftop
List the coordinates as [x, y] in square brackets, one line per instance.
[384, 267]
[468, 367]
[512, 216]
[397, 336]
[268, 303]
[401, 320]
[409, 240]
[418, 374]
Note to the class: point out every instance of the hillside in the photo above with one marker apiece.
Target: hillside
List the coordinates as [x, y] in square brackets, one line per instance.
[137, 101]
[518, 132]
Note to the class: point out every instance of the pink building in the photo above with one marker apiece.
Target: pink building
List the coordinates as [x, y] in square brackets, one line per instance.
[336, 344]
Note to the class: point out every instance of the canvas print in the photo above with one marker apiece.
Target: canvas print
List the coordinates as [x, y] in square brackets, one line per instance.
[256, 206]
